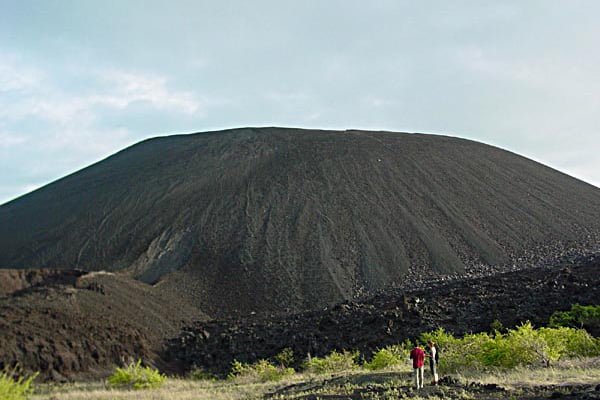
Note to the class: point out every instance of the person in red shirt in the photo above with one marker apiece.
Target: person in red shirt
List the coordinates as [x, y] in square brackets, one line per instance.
[418, 358]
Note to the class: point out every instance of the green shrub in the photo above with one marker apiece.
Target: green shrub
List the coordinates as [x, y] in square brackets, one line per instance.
[450, 349]
[285, 357]
[570, 342]
[491, 351]
[548, 345]
[333, 362]
[135, 376]
[391, 356]
[496, 326]
[262, 371]
[12, 388]
[523, 345]
[441, 338]
[586, 317]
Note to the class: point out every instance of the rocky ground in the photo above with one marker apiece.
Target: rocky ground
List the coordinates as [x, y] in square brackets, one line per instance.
[396, 386]
[459, 306]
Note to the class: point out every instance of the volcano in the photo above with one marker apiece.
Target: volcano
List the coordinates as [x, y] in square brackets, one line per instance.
[275, 219]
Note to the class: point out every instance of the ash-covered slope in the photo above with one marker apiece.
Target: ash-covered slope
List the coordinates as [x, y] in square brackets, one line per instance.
[272, 218]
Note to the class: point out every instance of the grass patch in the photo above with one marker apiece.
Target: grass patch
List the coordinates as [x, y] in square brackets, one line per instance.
[198, 374]
[172, 389]
[137, 377]
[261, 371]
[333, 362]
[13, 387]
[372, 385]
[574, 374]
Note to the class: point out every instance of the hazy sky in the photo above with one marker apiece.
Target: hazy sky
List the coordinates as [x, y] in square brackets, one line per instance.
[81, 79]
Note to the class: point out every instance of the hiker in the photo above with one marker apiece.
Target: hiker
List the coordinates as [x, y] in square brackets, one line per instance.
[434, 357]
[418, 357]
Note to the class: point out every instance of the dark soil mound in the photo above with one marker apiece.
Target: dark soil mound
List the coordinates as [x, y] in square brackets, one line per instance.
[461, 306]
[274, 219]
[15, 281]
[69, 324]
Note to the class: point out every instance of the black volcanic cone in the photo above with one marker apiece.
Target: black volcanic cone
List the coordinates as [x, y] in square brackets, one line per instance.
[271, 218]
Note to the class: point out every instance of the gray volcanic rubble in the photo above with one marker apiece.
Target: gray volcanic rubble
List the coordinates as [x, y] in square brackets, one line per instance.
[461, 306]
[275, 219]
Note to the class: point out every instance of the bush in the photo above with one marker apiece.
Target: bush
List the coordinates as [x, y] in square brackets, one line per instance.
[496, 326]
[547, 345]
[585, 317]
[135, 376]
[12, 388]
[262, 371]
[333, 362]
[285, 357]
[451, 357]
[570, 342]
[385, 358]
[441, 338]
[523, 345]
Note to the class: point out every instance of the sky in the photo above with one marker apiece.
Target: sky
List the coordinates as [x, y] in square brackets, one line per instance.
[82, 79]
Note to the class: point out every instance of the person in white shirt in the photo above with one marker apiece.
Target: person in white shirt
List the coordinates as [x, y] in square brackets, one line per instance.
[433, 355]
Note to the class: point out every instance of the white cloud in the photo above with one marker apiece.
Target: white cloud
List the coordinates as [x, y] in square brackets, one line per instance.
[111, 88]
[130, 87]
[9, 140]
[17, 77]
[51, 127]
